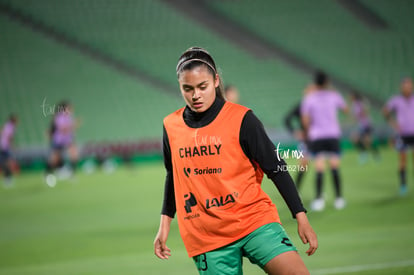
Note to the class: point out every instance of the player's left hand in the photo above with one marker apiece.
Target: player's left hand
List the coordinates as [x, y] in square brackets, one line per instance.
[161, 249]
[306, 233]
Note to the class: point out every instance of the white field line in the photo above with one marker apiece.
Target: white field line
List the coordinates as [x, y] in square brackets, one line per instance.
[358, 268]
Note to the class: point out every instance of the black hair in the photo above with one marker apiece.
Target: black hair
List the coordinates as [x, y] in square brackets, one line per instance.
[13, 118]
[195, 57]
[356, 95]
[63, 106]
[228, 88]
[321, 79]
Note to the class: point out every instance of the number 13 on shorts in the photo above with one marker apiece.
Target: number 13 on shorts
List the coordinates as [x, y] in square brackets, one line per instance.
[201, 262]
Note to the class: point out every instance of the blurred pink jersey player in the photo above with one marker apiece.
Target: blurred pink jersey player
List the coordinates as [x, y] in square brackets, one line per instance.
[319, 111]
[231, 93]
[362, 137]
[62, 140]
[6, 139]
[402, 106]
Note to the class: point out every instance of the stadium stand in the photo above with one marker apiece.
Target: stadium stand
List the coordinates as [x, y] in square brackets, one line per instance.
[148, 35]
[398, 14]
[38, 70]
[36, 73]
[325, 34]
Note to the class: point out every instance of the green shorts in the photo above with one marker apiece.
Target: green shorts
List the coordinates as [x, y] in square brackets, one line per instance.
[259, 247]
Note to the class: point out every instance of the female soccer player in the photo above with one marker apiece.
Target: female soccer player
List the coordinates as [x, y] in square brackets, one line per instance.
[403, 107]
[6, 139]
[62, 139]
[319, 114]
[363, 138]
[300, 135]
[231, 93]
[215, 153]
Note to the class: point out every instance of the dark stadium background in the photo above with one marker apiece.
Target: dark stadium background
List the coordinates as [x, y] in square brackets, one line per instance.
[115, 60]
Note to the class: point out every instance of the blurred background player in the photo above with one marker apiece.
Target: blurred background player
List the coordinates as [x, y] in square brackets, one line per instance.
[6, 139]
[50, 133]
[62, 140]
[362, 138]
[293, 118]
[402, 106]
[231, 93]
[320, 119]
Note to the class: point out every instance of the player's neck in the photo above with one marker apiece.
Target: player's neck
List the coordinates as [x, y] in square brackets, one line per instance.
[197, 120]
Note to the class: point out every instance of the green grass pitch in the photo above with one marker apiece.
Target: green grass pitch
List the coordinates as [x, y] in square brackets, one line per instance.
[105, 223]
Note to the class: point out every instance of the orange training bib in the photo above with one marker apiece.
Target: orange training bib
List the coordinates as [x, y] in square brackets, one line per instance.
[217, 188]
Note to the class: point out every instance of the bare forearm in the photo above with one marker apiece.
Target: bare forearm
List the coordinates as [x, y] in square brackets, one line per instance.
[160, 243]
[301, 217]
[305, 123]
[165, 222]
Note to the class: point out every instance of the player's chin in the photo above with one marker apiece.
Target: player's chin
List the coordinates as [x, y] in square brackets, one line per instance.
[199, 108]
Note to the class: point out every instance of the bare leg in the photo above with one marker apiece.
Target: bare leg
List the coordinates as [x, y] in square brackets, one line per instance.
[335, 162]
[73, 156]
[319, 203]
[402, 172]
[53, 161]
[320, 167]
[288, 263]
